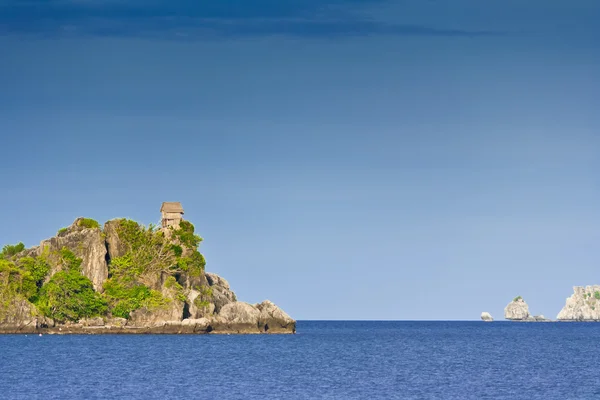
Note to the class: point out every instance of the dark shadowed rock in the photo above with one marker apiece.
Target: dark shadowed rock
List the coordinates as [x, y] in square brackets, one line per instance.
[114, 245]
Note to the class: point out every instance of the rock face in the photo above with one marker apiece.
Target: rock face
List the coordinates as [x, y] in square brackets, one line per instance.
[222, 294]
[517, 310]
[114, 246]
[486, 316]
[18, 316]
[583, 305]
[87, 244]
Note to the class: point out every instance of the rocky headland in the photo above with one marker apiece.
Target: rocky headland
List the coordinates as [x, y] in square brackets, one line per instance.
[123, 277]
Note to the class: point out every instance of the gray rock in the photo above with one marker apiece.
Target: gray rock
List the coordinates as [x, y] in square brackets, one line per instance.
[583, 305]
[144, 317]
[18, 315]
[87, 244]
[517, 310]
[240, 313]
[114, 245]
[273, 319]
[91, 322]
[486, 316]
[222, 293]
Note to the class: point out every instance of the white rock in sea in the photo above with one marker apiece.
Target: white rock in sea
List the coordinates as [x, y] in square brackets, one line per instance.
[486, 316]
[583, 305]
[517, 310]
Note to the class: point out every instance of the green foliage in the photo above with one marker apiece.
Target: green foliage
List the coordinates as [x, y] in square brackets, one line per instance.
[88, 223]
[193, 265]
[62, 230]
[11, 250]
[70, 296]
[517, 298]
[202, 301]
[148, 250]
[124, 298]
[15, 283]
[177, 250]
[171, 283]
[37, 267]
[123, 290]
[68, 260]
[185, 235]
[597, 295]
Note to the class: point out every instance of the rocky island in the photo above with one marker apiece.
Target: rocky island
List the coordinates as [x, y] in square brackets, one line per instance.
[518, 310]
[583, 305]
[124, 277]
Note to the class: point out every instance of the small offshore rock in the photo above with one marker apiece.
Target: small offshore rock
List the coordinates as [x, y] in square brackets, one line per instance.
[486, 316]
[517, 310]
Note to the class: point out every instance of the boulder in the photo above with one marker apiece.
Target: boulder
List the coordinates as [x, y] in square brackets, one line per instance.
[583, 305]
[486, 316]
[517, 310]
[221, 292]
[240, 317]
[85, 243]
[240, 313]
[144, 317]
[273, 319]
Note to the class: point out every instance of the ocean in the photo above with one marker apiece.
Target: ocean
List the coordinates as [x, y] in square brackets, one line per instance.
[324, 360]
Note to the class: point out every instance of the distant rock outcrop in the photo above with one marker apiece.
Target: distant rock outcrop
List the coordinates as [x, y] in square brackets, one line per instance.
[486, 316]
[517, 310]
[583, 305]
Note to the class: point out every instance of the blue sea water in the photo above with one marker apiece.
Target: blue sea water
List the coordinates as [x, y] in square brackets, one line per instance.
[324, 360]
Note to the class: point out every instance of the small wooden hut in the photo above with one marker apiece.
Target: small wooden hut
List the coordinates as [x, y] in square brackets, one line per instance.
[172, 213]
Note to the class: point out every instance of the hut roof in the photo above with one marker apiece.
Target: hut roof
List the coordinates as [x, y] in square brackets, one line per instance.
[171, 207]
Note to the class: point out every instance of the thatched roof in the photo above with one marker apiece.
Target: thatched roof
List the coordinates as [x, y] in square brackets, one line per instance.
[171, 207]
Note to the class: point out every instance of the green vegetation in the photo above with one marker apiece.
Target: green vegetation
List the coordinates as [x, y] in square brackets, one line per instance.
[70, 296]
[147, 255]
[11, 250]
[202, 301]
[185, 235]
[597, 295]
[124, 298]
[37, 267]
[88, 223]
[21, 281]
[193, 265]
[517, 298]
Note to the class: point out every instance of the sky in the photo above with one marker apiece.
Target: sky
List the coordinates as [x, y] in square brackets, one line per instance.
[367, 160]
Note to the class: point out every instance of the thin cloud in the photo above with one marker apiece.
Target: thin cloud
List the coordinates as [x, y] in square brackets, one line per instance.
[189, 20]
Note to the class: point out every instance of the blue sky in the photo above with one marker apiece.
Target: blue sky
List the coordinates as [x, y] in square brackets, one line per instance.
[345, 159]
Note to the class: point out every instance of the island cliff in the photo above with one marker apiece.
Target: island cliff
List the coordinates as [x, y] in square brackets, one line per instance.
[124, 278]
[583, 305]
